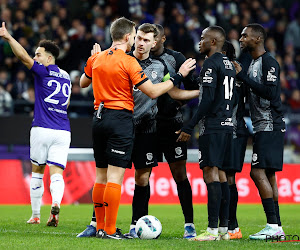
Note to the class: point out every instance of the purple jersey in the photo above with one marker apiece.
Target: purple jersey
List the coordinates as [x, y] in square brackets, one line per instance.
[52, 92]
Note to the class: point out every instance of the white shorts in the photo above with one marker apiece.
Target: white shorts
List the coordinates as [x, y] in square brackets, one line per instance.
[49, 146]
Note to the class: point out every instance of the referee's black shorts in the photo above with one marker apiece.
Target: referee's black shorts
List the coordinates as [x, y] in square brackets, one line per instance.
[113, 138]
[167, 145]
[268, 150]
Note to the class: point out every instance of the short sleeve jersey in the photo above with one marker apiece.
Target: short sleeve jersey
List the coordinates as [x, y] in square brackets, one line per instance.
[218, 73]
[266, 115]
[52, 93]
[145, 108]
[114, 74]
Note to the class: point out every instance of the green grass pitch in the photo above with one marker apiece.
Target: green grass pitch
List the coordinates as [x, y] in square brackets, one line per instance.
[16, 234]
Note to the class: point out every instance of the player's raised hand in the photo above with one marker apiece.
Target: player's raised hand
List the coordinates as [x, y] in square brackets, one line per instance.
[183, 137]
[3, 31]
[96, 49]
[187, 66]
[238, 67]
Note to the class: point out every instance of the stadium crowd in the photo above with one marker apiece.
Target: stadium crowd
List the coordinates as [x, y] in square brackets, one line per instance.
[76, 25]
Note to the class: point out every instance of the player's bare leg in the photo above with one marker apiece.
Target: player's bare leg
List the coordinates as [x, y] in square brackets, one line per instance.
[178, 170]
[36, 192]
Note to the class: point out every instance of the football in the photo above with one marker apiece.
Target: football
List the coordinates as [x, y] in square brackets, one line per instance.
[148, 227]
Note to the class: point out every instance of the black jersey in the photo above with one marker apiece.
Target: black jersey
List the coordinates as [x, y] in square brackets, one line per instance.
[217, 86]
[145, 108]
[239, 110]
[263, 79]
[169, 108]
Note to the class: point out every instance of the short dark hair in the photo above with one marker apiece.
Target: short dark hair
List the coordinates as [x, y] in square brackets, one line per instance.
[218, 29]
[256, 27]
[120, 27]
[149, 28]
[229, 49]
[160, 28]
[50, 47]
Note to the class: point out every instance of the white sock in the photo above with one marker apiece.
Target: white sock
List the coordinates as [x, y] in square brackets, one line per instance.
[189, 225]
[274, 226]
[212, 230]
[231, 231]
[223, 230]
[237, 229]
[93, 223]
[57, 188]
[131, 226]
[36, 193]
[280, 228]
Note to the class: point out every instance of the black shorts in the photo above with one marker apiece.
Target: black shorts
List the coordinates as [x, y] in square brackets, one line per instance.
[167, 145]
[144, 154]
[212, 150]
[268, 150]
[235, 154]
[113, 138]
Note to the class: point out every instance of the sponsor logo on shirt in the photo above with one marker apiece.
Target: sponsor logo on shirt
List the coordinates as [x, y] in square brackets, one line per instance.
[117, 151]
[227, 122]
[228, 64]
[271, 77]
[207, 78]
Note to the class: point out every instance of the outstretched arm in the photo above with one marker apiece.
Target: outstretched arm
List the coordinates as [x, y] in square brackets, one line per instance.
[17, 48]
[183, 95]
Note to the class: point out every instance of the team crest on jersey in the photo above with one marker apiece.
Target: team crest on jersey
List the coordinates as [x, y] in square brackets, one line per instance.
[270, 76]
[178, 150]
[254, 157]
[255, 73]
[207, 78]
[154, 75]
[149, 156]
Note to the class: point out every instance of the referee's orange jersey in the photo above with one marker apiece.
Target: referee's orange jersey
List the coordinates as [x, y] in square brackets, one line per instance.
[114, 74]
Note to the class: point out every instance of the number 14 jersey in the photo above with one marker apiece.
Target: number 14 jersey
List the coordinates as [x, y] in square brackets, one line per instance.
[219, 74]
[52, 93]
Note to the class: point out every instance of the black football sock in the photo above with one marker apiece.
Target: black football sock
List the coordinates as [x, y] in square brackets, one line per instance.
[232, 221]
[186, 200]
[138, 203]
[269, 208]
[277, 213]
[224, 207]
[214, 194]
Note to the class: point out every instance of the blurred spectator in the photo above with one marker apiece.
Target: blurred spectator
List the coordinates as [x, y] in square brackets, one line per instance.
[19, 85]
[5, 102]
[292, 34]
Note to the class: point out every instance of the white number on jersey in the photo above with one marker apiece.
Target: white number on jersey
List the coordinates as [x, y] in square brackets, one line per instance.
[66, 90]
[228, 87]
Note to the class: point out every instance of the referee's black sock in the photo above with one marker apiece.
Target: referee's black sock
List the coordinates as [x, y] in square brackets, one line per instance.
[214, 194]
[186, 200]
[224, 207]
[233, 223]
[277, 213]
[269, 208]
[138, 203]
